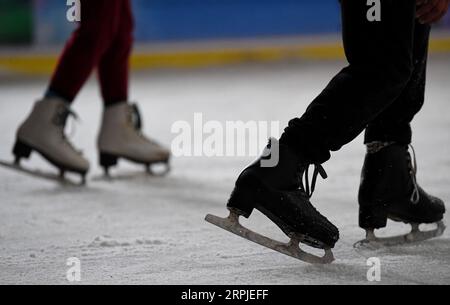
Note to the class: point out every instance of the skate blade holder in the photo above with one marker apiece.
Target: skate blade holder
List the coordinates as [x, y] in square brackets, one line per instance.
[415, 236]
[63, 180]
[158, 169]
[24, 151]
[292, 249]
[59, 178]
[152, 169]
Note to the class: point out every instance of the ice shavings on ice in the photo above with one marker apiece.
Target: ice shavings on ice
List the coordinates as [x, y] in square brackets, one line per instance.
[107, 241]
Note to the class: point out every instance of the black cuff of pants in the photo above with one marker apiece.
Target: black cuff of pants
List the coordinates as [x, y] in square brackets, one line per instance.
[309, 151]
[399, 134]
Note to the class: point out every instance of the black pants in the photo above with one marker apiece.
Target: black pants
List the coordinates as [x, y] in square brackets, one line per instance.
[381, 90]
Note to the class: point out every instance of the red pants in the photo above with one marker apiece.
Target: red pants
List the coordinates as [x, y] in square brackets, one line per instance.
[103, 40]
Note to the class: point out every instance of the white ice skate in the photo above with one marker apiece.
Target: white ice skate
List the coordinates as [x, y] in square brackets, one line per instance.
[231, 224]
[43, 132]
[121, 137]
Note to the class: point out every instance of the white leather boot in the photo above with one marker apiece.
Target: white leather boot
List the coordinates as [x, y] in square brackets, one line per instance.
[43, 132]
[121, 137]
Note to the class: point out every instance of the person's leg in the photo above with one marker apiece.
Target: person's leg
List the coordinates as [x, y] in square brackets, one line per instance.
[113, 69]
[43, 130]
[120, 134]
[380, 67]
[380, 57]
[84, 49]
[389, 187]
[393, 124]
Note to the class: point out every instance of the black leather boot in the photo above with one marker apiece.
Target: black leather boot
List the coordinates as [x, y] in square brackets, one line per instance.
[280, 194]
[389, 189]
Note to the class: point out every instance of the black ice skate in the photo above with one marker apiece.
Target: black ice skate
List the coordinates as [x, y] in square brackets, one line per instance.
[280, 194]
[389, 190]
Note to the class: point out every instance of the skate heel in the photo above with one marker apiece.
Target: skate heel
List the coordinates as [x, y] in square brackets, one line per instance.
[21, 150]
[373, 217]
[242, 201]
[107, 161]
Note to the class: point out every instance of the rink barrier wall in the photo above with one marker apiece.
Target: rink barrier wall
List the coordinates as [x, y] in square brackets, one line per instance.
[42, 64]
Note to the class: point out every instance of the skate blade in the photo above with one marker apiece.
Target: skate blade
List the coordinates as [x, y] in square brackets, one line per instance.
[39, 174]
[156, 169]
[231, 224]
[415, 236]
[159, 169]
[132, 176]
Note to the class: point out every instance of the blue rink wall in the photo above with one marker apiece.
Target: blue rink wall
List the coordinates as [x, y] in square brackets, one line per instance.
[175, 20]
[172, 20]
[45, 24]
[213, 19]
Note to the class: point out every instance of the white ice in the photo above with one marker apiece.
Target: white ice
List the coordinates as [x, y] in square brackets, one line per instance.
[150, 230]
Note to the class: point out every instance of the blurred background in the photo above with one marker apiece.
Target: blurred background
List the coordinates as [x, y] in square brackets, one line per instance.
[186, 33]
[230, 60]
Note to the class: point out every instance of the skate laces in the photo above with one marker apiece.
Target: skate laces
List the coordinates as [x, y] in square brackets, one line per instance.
[306, 186]
[135, 119]
[415, 196]
[62, 115]
[375, 147]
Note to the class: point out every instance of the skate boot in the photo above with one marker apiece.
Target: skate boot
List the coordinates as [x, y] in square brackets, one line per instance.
[280, 193]
[121, 137]
[389, 190]
[43, 132]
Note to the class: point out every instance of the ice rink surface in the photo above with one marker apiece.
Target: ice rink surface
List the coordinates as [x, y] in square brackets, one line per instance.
[150, 230]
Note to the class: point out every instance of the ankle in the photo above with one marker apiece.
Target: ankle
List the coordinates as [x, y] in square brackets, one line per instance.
[52, 94]
[377, 146]
[112, 103]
